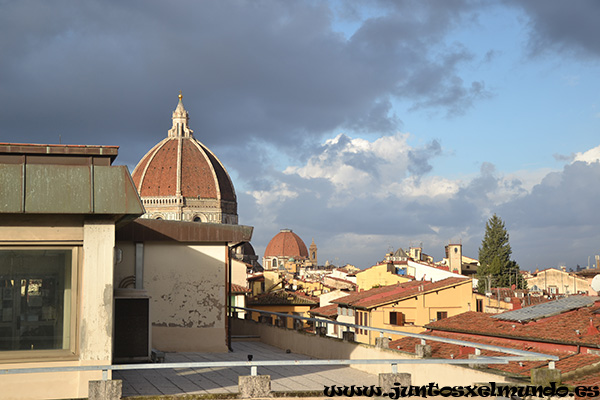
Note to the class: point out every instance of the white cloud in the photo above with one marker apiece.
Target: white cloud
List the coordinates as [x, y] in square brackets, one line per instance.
[358, 197]
[279, 193]
[590, 156]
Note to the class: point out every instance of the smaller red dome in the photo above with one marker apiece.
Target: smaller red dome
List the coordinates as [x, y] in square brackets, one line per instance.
[286, 244]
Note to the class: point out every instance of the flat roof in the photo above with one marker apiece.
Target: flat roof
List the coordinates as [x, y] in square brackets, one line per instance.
[144, 229]
[62, 149]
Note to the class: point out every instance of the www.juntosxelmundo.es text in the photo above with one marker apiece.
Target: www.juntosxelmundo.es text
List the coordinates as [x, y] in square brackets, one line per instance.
[433, 389]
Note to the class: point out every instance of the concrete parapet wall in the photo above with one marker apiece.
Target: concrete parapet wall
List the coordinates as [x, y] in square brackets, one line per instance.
[336, 349]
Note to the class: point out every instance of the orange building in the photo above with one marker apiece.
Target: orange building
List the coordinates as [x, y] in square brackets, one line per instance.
[405, 306]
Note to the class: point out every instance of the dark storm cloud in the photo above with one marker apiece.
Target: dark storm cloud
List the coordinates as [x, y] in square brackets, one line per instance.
[109, 72]
[563, 26]
[561, 199]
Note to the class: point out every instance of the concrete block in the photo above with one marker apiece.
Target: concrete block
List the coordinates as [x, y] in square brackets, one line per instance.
[387, 381]
[543, 376]
[105, 390]
[251, 387]
[423, 350]
[382, 342]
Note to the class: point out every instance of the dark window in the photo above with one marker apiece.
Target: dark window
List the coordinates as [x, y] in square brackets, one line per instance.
[396, 318]
[479, 305]
[36, 289]
[442, 315]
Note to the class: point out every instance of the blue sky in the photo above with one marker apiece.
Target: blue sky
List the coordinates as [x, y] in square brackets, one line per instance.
[366, 125]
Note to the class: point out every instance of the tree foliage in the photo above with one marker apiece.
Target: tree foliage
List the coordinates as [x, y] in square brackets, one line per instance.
[496, 268]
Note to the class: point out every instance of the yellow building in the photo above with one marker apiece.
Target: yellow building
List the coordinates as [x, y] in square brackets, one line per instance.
[281, 302]
[264, 282]
[407, 306]
[381, 275]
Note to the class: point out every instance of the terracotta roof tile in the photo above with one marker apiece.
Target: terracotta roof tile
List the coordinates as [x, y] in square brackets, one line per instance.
[387, 294]
[280, 298]
[568, 361]
[202, 174]
[239, 289]
[328, 311]
[286, 244]
[560, 328]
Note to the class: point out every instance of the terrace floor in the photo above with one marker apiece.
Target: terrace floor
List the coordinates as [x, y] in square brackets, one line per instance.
[225, 380]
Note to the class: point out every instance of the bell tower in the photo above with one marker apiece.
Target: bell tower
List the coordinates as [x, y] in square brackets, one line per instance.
[312, 252]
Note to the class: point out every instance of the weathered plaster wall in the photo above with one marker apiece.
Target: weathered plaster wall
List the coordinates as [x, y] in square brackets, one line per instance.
[186, 285]
[95, 332]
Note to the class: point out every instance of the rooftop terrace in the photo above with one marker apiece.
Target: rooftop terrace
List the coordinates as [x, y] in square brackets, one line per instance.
[225, 380]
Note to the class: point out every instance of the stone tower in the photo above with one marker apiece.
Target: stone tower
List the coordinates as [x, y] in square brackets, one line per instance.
[312, 252]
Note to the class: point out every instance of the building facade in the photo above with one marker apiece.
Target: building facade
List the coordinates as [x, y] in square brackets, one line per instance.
[59, 208]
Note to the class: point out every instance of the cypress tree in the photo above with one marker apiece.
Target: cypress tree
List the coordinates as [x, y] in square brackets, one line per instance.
[496, 268]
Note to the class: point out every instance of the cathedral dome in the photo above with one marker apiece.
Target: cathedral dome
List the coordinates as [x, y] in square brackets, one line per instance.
[181, 179]
[286, 244]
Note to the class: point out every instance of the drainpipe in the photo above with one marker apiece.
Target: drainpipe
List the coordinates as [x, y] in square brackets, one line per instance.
[230, 250]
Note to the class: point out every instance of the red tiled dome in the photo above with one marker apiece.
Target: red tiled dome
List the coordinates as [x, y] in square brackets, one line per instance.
[181, 166]
[286, 244]
[202, 175]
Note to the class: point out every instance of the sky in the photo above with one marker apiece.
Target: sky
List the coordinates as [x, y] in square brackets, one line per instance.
[366, 125]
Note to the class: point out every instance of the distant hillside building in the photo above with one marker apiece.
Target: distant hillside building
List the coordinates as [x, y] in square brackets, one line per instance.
[181, 179]
[558, 282]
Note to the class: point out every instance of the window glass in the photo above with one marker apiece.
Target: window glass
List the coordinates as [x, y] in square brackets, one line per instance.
[442, 315]
[35, 290]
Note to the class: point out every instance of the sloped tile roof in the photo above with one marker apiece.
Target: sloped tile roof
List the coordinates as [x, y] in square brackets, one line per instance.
[547, 309]
[328, 311]
[280, 298]
[560, 328]
[568, 361]
[387, 294]
[239, 289]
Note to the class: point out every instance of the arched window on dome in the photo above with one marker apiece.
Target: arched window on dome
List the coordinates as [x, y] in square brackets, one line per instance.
[274, 263]
[197, 219]
[158, 217]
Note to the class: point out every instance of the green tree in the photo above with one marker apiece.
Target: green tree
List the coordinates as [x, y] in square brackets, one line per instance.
[496, 268]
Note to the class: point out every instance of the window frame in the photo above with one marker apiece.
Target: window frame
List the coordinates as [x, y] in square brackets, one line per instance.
[397, 314]
[72, 351]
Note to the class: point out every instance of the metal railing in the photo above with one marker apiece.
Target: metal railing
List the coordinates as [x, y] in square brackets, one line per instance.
[253, 365]
[518, 355]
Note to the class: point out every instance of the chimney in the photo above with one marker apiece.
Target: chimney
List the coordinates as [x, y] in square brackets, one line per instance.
[592, 330]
